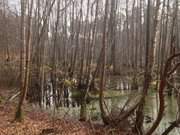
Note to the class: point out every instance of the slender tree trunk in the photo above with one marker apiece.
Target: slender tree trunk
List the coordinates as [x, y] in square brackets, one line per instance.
[102, 80]
[54, 60]
[83, 112]
[140, 113]
[25, 79]
[75, 56]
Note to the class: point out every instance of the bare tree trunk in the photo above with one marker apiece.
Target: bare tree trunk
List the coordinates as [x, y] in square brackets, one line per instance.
[127, 32]
[25, 79]
[77, 41]
[22, 61]
[140, 114]
[102, 80]
[5, 22]
[83, 112]
[89, 79]
[54, 59]
[154, 37]
[112, 34]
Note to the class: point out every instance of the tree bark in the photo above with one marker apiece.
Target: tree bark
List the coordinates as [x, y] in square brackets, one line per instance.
[102, 80]
[25, 79]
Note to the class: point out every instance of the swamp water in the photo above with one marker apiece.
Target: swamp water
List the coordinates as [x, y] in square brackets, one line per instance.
[118, 100]
[151, 109]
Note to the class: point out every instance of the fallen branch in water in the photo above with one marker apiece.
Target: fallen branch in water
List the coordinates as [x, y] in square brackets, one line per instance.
[171, 127]
[129, 112]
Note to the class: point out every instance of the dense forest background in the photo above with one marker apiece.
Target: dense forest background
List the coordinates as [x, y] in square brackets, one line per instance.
[53, 49]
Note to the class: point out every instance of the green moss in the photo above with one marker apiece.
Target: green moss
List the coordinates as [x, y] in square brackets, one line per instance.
[1, 99]
[92, 109]
[68, 83]
[76, 94]
[153, 87]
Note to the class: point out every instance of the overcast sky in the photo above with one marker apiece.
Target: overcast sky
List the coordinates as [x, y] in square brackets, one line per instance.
[13, 2]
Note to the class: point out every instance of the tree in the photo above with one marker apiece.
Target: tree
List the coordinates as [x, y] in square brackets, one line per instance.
[102, 80]
[140, 114]
[25, 61]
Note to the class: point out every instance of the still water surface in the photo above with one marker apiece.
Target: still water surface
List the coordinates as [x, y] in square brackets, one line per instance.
[151, 109]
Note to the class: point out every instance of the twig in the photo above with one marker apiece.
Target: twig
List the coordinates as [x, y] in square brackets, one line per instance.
[12, 97]
[174, 68]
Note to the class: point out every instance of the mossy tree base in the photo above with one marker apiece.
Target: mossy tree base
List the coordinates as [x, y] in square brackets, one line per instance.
[83, 109]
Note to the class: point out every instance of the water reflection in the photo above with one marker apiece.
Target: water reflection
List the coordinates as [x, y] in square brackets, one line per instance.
[151, 110]
[170, 112]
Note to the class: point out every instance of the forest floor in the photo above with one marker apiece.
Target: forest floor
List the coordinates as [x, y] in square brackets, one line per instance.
[41, 123]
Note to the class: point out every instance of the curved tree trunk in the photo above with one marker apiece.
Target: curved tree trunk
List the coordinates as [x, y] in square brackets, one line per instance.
[162, 85]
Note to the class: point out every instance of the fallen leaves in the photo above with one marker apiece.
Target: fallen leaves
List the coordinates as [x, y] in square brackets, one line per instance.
[37, 122]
